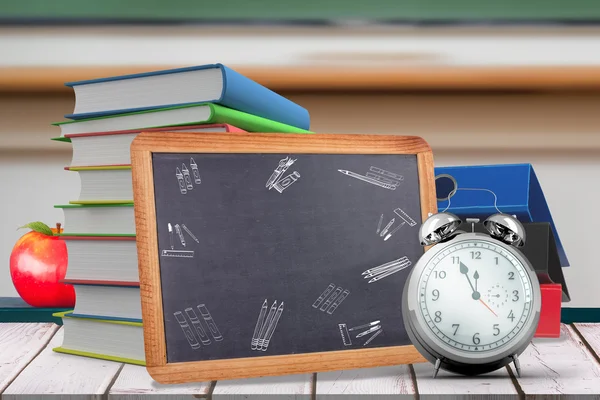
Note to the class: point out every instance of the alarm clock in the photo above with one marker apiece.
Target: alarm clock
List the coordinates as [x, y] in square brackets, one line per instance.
[471, 304]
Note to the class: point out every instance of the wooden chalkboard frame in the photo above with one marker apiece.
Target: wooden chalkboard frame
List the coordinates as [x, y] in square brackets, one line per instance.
[147, 143]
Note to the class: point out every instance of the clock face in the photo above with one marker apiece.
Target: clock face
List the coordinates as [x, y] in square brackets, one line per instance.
[475, 296]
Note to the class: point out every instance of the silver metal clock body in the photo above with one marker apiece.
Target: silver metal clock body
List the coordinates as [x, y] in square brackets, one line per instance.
[437, 342]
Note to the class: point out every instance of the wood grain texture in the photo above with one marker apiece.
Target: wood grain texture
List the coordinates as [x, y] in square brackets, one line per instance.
[283, 365]
[147, 251]
[444, 77]
[55, 373]
[393, 380]
[562, 366]
[427, 184]
[147, 246]
[591, 334]
[19, 344]
[300, 143]
[134, 383]
[451, 386]
[292, 387]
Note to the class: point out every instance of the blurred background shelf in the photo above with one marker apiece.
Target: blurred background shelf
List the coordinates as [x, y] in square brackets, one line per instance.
[482, 82]
[387, 58]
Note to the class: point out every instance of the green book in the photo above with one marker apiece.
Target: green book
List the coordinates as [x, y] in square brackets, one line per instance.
[15, 309]
[120, 341]
[184, 115]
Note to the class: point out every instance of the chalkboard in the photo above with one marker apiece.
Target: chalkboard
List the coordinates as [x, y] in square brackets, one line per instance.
[263, 254]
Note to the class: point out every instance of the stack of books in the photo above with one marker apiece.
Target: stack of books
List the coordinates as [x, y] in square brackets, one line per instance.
[99, 226]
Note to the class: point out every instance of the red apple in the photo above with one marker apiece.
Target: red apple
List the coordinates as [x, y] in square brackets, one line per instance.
[37, 264]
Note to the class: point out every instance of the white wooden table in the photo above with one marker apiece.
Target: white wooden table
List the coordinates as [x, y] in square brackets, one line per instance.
[568, 367]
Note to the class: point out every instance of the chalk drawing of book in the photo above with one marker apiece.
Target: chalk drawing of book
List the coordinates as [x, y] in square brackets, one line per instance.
[378, 177]
[277, 180]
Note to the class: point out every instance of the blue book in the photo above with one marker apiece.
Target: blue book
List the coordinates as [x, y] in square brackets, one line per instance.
[478, 191]
[211, 83]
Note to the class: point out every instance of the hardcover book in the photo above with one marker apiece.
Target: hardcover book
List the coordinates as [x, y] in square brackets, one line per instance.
[213, 83]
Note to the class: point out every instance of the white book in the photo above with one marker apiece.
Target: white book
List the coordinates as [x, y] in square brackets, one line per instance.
[110, 340]
[105, 259]
[107, 302]
[111, 146]
[104, 184]
[98, 219]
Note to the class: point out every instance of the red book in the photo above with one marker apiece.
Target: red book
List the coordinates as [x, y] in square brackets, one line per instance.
[190, 128]
[549, 324]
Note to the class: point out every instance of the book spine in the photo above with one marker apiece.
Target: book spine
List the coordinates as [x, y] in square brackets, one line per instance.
[243, 94]
[249, 122]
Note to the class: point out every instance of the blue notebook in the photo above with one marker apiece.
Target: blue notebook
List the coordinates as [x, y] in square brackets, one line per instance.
[214, 83]
[478, 191]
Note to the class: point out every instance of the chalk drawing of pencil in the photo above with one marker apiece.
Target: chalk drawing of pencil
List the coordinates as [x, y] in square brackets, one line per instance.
[367, 179]
[185, 228]
[373, 337]
[259, 324]
[271, 328]
[265, 327]
[387, 227]
[389, 235]
[180, 234]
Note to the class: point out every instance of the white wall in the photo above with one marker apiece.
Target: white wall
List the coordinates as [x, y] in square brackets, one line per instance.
[31, 185]
[492, 128]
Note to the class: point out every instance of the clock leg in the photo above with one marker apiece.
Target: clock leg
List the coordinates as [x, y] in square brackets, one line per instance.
[517, 365]
[436, 368]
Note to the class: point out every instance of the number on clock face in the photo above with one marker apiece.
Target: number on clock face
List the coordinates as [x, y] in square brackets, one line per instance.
[475, 296]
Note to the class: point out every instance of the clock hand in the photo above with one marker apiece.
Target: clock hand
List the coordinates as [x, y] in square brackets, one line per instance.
[464, 270]
[488, 307]
[476, 276]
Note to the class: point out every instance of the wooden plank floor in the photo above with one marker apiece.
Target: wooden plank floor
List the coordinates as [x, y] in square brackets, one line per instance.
[566, 367]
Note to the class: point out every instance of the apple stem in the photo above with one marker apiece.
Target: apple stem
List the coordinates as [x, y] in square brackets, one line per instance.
[58, 227]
